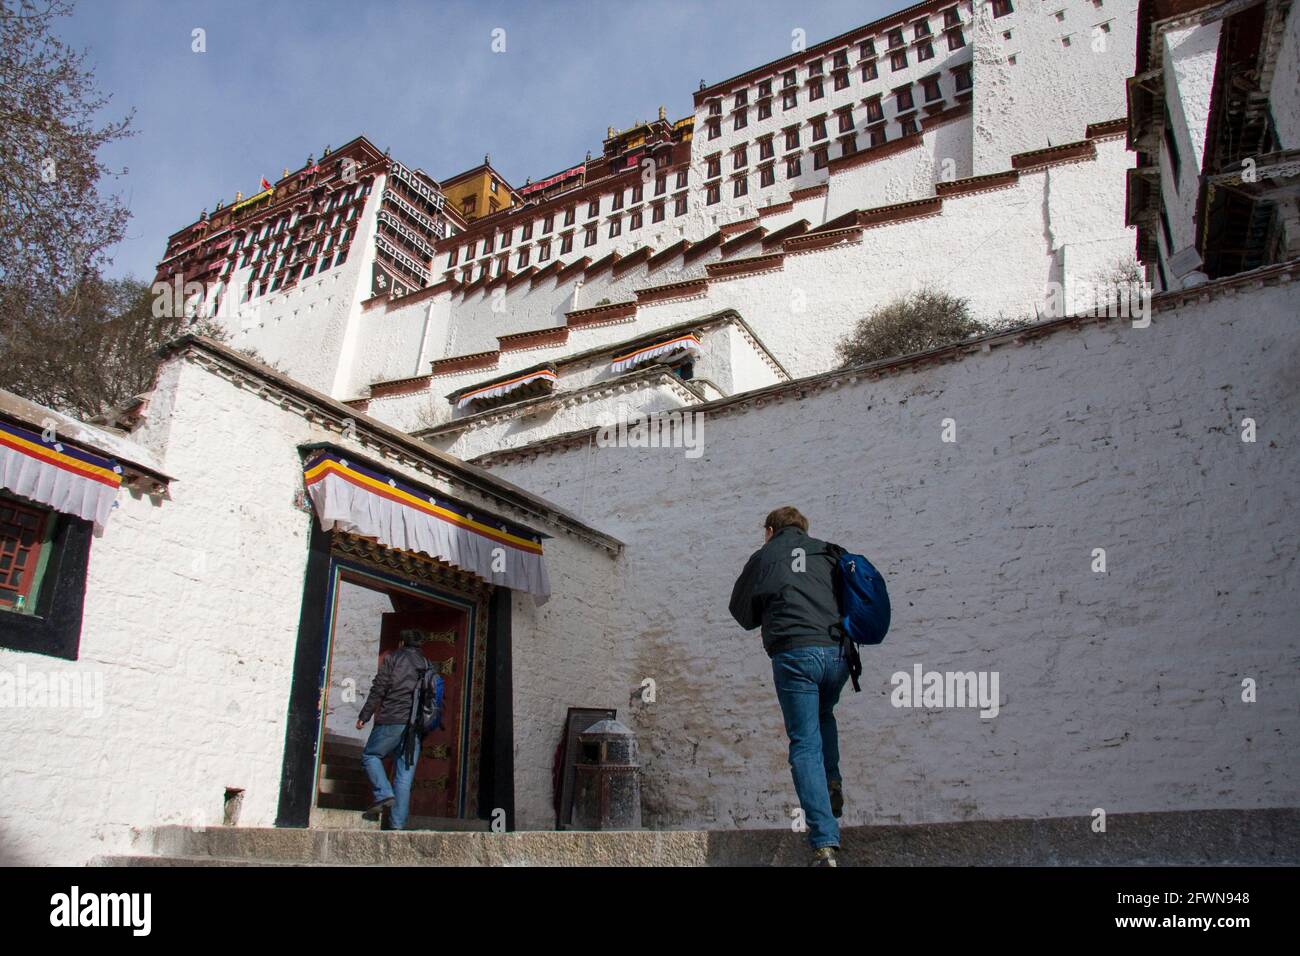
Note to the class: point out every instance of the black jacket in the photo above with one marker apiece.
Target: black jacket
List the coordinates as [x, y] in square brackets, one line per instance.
[394, 686]
[795, 607]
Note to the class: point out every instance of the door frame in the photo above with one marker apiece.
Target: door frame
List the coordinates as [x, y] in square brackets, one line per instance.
[486, 782]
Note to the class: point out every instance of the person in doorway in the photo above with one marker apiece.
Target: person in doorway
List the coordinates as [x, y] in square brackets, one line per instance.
[389, 702]
[788, 587]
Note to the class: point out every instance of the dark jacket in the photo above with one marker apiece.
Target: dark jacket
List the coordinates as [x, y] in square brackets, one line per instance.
[391, 692]
[795, 608]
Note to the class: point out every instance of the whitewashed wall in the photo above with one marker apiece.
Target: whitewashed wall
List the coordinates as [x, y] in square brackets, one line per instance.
[1052, 91]
[1284, 99]
[190, 625]
[1119, 690]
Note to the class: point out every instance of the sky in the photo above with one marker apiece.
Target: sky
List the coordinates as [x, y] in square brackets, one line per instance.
[279, 80]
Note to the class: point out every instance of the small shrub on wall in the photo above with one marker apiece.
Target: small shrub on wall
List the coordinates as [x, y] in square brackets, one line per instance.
[922, 320]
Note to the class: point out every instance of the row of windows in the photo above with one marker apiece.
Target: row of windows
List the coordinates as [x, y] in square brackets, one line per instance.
[259, 285]
[593, 210]
[591, 235]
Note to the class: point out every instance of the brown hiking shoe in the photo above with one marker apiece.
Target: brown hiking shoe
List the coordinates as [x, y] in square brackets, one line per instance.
[826, 856]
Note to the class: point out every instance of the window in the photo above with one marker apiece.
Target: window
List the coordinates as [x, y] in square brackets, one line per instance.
[866, 48]
[713, 195]
[903, 99]
[566, 243]
[569, 215]
[661, 185]
[715, 107]
[955, 39]
[742, 119]
[309, 268]
[543, 252]
[951, 17]
[922, 29]
[714, 164]
[764, 89]
[1002, 7]
[764, 109]
[43, 558]
[617, 203]
[846, 120]
[766, 149]
[715, 128]
[681, 179]
[492, 185]
[637, 193]
[931, 86]
[869, 70]
[548, 224]
[793, 167]
[788, 79]
[815, 68]
[841, 60]
[590, 238]
[593, 208]
[962, 75]
[792, 138]
[819, 129]
[636, 221]
[451, 257]
[877, 134]
[740, 186]
[469, 250]
[615, 226]
[679, 206]
[526, 233]
[896, 37]
[789, 100]
[848, 145]
[898, 60]
[742, 98]
[487, 243]
[740, 158]
[501, 266]
[907, 124]
[767, 175]
[658, 214]
[505, 237]
[815, 91]
[925, 51]
[342, 257]
[841, 81]
[820, 157]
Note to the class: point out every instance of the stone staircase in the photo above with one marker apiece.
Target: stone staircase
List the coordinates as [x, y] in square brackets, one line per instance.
[1180, 838]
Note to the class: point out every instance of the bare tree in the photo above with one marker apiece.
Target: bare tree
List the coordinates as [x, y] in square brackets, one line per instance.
[55, 225]
[923, 320]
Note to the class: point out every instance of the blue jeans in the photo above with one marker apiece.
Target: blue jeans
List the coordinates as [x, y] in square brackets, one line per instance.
[386, 739]
[808, 684]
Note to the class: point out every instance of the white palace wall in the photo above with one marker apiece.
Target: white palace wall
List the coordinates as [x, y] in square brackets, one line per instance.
[189, 630]
[1120, 690]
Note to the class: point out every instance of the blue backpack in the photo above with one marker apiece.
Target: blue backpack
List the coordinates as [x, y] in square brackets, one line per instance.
[863, 603]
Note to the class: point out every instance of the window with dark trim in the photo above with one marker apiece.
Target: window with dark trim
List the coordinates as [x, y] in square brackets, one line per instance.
[764, 109]
[593, 208]
[767, 175]
[661, 185]
[742, 119]
[792, 138]
[962, 76]
[846, 120]
[866, 48]
[955, 39]
[869, 70]
[548, 224]
[1171, 146]
[43, 561]
[766, 148]
[543, 252]
[764, 88]
[907, 124]
[951, 17]
[841, 80]
[526, 233]
[617, 202]
[922, 29]
[713, 194]
[570, 215]
[877, 134]
[658, 214]
[840, 60]
[848, 145]
[740, 186]
[821, 156]
[742, 99]
[521, 260]
[637, 193]
[615, 226]
[930, 85]
[793, 167]
[715, 128]
[896, 37]
[713, 167]
[789, 100]
[875, 111]
[815, 90]
[679, 205]
[924, 51]
[818, 129]
[815, 67]
[566, 243]
[589, 239]
[636, 221]
[898, 60]
[715, 107]
[789, 79]
[1002, 7]
[903, 99]
[681, 179]
[740, 158]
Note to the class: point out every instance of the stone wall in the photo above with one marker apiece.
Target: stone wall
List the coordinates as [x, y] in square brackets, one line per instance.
[1120, 690]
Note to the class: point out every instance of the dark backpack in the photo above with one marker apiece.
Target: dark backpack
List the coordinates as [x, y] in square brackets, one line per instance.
[863, 602]
[426, 702]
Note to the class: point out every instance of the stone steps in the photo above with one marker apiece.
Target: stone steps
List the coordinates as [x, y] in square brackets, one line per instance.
[1187, 838]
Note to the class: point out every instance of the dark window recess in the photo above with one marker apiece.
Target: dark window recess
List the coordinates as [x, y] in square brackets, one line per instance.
[685, 371]
[1002, 7]
[43, 558]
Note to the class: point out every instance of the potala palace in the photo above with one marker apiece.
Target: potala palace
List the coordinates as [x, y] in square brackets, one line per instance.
[413, 419]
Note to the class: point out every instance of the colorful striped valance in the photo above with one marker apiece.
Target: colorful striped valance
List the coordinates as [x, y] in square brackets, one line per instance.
[501, 388]
[69, 480]
[354, 498]
[683, 343]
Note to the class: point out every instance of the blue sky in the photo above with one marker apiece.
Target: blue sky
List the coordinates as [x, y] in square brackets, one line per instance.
[281, 80]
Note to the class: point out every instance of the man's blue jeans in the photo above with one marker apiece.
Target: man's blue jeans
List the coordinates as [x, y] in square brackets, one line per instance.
[386, 739]
[808, 684]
